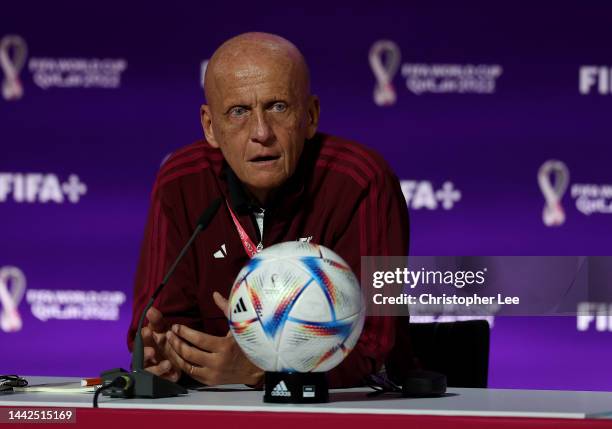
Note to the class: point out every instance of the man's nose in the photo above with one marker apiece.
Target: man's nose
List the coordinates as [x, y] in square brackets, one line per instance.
[261, 132]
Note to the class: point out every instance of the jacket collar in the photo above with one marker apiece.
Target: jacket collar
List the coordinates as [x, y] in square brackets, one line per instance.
[241, 202]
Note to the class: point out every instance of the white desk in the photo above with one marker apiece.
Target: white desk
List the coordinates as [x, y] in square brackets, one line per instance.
[458, 402]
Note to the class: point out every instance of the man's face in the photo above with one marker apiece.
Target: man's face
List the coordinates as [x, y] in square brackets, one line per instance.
[259, 116]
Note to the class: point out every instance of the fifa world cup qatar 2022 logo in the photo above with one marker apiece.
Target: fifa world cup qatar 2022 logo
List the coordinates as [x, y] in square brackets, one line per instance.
[13, 53]
[553, 178]
[385, 57]
[12, 289]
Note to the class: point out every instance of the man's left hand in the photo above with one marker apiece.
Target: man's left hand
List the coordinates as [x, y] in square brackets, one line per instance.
[209, 359]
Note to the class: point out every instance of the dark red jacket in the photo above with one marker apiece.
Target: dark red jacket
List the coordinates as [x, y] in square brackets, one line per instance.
[342, 194]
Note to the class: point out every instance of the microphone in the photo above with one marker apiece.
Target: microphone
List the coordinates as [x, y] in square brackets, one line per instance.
[146, 384]
[203, 221]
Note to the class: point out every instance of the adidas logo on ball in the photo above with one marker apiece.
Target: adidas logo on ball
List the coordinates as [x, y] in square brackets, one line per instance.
[281, 390]
[240, 307]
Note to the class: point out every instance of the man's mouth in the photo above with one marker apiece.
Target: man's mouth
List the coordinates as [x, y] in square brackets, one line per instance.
[265, 158]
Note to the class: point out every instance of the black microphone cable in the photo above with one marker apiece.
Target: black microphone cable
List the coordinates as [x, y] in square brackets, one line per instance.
[123, 382]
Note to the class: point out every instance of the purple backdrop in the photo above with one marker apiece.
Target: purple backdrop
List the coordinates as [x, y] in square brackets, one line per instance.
[485, 94]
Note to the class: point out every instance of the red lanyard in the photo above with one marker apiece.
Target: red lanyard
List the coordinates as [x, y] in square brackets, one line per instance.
[249, 247]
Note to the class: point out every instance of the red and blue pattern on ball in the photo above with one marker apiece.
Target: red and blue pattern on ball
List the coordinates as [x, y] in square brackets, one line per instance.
[313, 266]
[318, 275]
[250, 267]
[281, 312]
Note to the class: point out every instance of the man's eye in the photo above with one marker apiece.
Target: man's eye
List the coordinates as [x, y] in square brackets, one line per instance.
[279, 107]
[237, 111]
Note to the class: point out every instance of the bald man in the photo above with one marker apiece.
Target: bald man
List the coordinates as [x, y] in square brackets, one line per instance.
[281, 181]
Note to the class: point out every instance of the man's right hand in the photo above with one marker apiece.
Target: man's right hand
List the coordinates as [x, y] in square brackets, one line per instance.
[154, 340]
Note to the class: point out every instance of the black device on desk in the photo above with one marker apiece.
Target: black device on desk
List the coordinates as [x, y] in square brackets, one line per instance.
[7, 382]
[415, 384]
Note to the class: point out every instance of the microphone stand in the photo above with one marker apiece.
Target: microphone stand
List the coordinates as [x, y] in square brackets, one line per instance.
[143, 383]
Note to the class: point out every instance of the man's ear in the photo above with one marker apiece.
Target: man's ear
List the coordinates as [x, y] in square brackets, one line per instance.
[313, 112]
[206, 119]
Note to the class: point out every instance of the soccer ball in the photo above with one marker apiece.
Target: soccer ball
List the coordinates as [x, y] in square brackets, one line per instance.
[296, 307]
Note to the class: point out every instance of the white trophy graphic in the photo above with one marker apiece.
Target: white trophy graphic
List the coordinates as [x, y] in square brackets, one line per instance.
[10, 321]
[385, 59]
[553, 178]
[13, 53]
